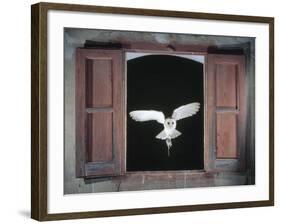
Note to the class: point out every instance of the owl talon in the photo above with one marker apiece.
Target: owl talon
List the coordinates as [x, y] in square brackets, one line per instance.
[169, 144]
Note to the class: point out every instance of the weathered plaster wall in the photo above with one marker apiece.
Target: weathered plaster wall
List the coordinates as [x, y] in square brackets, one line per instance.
[74, 38]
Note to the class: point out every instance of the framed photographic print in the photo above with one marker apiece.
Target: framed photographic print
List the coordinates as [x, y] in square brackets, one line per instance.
[138, 111]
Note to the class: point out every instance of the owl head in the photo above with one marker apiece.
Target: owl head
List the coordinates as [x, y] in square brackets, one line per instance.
[170, 123]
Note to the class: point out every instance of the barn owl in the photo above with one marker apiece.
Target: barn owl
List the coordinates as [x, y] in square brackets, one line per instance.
[169, 132]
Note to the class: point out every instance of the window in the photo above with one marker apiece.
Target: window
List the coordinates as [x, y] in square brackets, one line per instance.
[112, 81]
[164, 82]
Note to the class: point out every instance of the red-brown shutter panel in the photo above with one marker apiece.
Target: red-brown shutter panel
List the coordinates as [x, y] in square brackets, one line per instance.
[226, 111]
[99, 112]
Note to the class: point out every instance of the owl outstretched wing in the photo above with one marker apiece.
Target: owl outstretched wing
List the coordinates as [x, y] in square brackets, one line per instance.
[148, 115]
[186, 111]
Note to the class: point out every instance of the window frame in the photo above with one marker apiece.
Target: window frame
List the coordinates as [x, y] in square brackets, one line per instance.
[166, 50]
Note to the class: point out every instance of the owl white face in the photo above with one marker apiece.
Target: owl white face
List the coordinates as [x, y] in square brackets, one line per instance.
[170, 123]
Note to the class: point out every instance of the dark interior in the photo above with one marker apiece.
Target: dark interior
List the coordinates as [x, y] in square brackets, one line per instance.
[164, 82]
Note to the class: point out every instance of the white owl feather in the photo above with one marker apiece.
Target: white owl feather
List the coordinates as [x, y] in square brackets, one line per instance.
[148, 115]
[186, 111]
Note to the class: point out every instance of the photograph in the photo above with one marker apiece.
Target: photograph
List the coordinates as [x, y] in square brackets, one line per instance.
[151, 111]
[140, 111]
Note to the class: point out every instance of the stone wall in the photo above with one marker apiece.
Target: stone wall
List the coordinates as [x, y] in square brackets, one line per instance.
[74, 38]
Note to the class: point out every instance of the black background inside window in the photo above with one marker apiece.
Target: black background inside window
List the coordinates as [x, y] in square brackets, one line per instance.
[163, 82]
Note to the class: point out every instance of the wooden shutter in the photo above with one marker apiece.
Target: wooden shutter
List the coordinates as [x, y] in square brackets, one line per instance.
[226, 112]
[99, 112]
